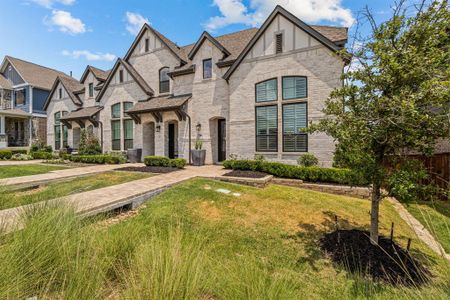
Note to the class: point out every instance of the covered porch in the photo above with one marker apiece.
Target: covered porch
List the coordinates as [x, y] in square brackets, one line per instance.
[15, 128]
[165, 126]
[74, 121]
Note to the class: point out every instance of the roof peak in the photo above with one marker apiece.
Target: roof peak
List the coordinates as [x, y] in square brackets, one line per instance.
[32, 63]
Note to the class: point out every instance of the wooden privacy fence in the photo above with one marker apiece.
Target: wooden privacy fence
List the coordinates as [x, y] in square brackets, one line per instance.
[438, 166]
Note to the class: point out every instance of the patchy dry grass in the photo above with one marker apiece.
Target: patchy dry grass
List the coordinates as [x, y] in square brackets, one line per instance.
[192, 242]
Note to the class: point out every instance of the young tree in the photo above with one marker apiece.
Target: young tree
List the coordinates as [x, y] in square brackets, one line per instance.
[397, 96]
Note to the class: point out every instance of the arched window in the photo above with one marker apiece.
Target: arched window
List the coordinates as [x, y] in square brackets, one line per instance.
[164, 80]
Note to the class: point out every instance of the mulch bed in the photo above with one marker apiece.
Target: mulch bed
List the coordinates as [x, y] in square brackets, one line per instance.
[149, 169]
[386, 262]
[246, 174]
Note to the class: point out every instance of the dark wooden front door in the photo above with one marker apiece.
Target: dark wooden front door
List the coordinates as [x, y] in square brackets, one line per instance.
[222, 139]
[171, 140]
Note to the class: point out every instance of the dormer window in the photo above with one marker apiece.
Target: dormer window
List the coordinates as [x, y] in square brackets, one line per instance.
[279, 43]
[121, 76]
[60, 93]
[91, 90]
[207, 68]
[147, 47]
[164, 80]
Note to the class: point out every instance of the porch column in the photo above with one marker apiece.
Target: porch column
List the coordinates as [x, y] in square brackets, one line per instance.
[3, 139]
[30, 125]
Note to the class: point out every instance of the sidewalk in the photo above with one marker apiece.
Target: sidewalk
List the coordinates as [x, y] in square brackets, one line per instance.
[20, 162]
[108, 198]
[61, 174]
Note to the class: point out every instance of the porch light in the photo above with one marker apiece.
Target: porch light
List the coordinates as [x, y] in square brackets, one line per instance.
[158, 128]
[198, 127]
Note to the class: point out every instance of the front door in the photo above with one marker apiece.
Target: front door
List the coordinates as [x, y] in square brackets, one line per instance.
[222, 138]
[171, 140]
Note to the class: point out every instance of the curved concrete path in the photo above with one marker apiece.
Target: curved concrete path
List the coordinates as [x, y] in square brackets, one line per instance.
[109, 198]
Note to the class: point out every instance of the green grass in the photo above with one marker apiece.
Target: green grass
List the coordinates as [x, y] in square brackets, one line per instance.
[25, 170]
[435, 216]
[54, 190]
[192, 242]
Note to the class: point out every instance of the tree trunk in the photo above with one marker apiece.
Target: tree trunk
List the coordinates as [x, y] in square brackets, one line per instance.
[374, 212]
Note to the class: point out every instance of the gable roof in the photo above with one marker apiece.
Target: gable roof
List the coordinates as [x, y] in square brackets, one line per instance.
[136, 76]
[71, 85]
[206, 36]
[308, 29]
[99, 74]
[177, 51]
[34, 74]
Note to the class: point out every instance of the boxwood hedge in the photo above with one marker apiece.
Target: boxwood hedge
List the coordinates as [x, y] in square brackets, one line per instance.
[311, 174]
[97, 159]
[162, 161]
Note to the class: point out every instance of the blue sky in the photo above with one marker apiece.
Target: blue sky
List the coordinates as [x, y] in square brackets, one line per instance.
[69, 34]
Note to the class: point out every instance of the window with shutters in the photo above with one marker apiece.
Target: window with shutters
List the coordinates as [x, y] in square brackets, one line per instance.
[267, 128]
[279, 43]
[164, 80]
[295, 119]
[295, 87]
[267, 90]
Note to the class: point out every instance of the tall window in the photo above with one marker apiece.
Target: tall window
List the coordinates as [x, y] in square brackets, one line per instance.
[115, 126]
[164, 80]
[266, 128]
[121, 76]
[207, 68]
[57, 130]
[60, 93]
[91, 90]
[295, 87]
[295, 119]
[127, 127]
[147, 48]
[267, 90]
[61, 131]
[117, 120]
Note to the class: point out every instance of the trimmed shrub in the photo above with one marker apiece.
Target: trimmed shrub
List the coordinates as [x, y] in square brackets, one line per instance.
[21, 156]
[162, 161]
[40, 147]
[308, 160]
[19, 151]
[311, 174]
[5, 154]
[97, 159]
[41, 155]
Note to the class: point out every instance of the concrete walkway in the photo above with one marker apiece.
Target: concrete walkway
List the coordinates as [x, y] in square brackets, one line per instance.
[422, 233]
[61, 174]
[19, 162]
[109, 198]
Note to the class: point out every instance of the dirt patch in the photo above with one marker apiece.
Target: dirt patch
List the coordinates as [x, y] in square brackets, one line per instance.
[149, 169]
[386, 261]
[246, 174]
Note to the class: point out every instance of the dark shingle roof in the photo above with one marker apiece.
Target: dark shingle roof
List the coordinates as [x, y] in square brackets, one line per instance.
[101, 75]
[160, 103]
[36, 75]
[71, 85]
[82, 113]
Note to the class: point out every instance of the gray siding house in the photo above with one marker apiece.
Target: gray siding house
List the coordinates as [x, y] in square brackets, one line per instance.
[245, 93]
[24, 88]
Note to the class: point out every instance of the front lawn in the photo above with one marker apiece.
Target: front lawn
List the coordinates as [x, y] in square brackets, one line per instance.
[25, 170]
[435, 216]
[54, 190]
[192, 242]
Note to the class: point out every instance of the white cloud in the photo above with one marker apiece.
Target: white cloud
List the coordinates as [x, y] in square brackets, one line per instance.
[310, 11]
[88, 55]
[135, 22]
[49, 3]
[66, 22]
